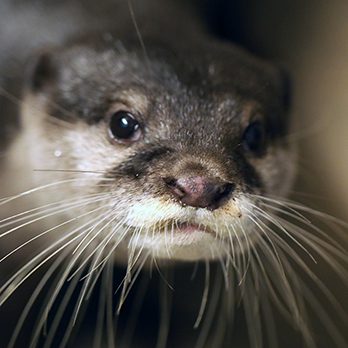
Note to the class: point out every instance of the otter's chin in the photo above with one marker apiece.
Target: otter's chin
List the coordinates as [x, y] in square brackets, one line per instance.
[197, 244]
[182, 241]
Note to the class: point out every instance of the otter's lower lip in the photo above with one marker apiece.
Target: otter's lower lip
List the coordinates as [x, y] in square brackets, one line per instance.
[189, 228]
[182, 241]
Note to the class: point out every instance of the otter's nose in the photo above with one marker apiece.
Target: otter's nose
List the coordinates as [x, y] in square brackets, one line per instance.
[199, 192]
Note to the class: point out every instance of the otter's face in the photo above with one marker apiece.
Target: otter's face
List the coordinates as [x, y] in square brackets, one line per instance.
[180, 150]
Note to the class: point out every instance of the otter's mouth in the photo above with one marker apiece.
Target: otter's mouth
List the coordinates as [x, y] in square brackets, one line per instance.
[179, 240]
[185, 228]
[187, 240]
[189, 228]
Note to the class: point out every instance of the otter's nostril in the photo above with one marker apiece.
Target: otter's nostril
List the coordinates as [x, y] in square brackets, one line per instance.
[221, 196]
[170, 181]
[226, 190]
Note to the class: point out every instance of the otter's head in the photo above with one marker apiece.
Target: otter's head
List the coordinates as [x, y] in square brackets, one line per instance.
[180, 143]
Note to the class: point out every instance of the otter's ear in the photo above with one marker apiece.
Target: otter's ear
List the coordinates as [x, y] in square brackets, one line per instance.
[42, 73]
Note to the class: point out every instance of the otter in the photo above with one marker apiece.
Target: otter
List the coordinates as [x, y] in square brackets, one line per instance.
[145, 143]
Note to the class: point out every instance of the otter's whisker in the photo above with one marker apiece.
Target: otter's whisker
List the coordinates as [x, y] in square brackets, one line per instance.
[72, 171]
[313, 240]
[48, 303]
[136, 307]
[263, 228]
[210, 313]
[129, 282]
[279, 203]
[8, 288]
[247, 247]
[242, 268]
[267, 281]
[252, 313]
[39, 287]
[109, 305]
[55, 212]
[308, 224]
[269, 323]
[300, 207]
[42, 209]
[319, 284]
[318, 309]
[97, 341]
[59, 286]
[106, 216]
[126, 280]
[48, 231]
[87, 281]
[102, 245]
[43, 187]
[204, 296]
[276, 222]
[317, 244]
[166, 296]
[113, 247]
[166, 239]
[135, 237]
[224, 268]
[330, 326]
[162, 276]
[60, 312]
[278, 273]
[231, 244]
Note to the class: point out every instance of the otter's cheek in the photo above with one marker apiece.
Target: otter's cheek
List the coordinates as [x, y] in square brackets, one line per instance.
[277, 170]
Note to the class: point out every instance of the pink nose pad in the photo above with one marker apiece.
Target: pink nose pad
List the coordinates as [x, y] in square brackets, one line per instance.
[199, 191]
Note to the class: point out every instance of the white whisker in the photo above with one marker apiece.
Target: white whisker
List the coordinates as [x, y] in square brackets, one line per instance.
[204, 296]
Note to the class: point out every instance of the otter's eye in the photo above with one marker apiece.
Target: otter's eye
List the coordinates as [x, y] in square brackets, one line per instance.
[124, 128]
[254, 138]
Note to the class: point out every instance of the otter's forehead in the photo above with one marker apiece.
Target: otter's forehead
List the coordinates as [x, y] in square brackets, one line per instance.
[217, 69]
[188, 90]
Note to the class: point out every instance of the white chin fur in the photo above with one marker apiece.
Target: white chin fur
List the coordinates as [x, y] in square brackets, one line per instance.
[221, 227]
[194, 246]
